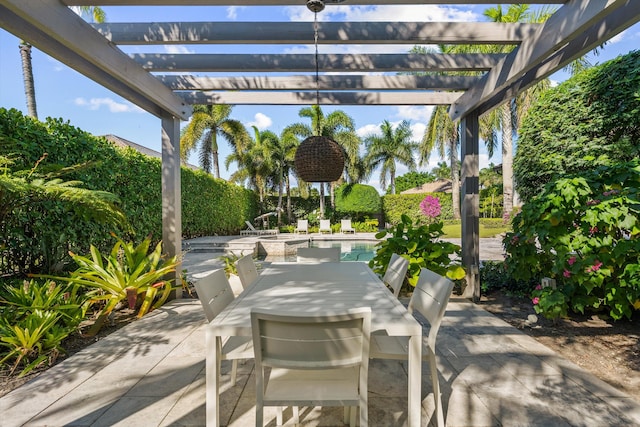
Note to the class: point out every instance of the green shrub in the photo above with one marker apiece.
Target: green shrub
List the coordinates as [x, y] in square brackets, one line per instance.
[396, 205]
[422, 246]
[495, 276]
[589, 120]
[357, 200]
[583, 231]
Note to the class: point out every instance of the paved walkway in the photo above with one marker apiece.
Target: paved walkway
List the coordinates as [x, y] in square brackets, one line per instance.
[151, 373]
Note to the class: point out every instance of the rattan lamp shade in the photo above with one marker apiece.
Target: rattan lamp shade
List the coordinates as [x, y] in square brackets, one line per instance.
[319, 159]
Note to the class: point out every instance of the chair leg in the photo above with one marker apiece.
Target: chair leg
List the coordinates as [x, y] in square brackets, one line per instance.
[436, 388]
[259, 415]
[347, 411]
[296, 415]
[234, 372]
[279, 416]
[353, 411]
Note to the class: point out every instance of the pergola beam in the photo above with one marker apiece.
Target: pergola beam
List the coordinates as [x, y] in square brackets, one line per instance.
[193, 62]
[609, 27]
[568, 23]
[284, 2]
[334, 33]
[59, 32]
[325, 82]
[326, 98]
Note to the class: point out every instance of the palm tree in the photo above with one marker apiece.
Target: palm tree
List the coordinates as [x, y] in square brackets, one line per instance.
[442, 133]
[391, 147]
[207, 123]
[338, 126]
[93, 12]
[253, 163]
[281, 152]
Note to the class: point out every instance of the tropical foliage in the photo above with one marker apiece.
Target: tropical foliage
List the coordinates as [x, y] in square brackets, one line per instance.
[412, 180]
[207, 123]
[357, 201]
[584, 232]
[589, 120]
[393, 145]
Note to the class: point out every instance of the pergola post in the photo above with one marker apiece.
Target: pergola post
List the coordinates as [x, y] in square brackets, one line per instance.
[171, 193]
[470, 206]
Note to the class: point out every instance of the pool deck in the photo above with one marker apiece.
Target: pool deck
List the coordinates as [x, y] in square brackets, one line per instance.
[152, 373]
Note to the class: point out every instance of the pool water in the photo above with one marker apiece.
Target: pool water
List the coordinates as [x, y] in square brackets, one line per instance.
[350, 251]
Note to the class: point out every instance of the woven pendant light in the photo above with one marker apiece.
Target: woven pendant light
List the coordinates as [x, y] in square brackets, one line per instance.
[318, 158]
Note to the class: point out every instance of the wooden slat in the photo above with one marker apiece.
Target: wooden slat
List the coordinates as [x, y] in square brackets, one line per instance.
[568, 23]
[285, 2]
[332, 82]
[306, 62]
[328, 32]
[326, 98]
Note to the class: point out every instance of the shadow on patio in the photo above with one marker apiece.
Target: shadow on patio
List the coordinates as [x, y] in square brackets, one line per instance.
[151, 373]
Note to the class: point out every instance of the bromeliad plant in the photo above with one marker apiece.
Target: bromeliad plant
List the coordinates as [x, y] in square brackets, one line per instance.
[128, 273]
[583, 231]
[35, 318]
[421, 245]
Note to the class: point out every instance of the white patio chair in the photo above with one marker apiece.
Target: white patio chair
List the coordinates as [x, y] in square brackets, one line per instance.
[313, 255]
[250, 231]
[315, 360]
[247, 271]
[430, 298]
[345, 226]
[214, 293]
[303, 226]
[396, 272]
[325, 226]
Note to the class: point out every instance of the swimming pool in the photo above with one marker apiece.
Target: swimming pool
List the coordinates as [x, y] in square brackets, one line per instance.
[349, 250]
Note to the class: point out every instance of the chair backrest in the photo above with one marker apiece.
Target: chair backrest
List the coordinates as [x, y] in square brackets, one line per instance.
[247, 271]
[325, 224]
[214, 293]
[396, 272]
[250, 226]
[345, 224]
[430, 298]
[298, 340]
[318, 254]
[303, 224]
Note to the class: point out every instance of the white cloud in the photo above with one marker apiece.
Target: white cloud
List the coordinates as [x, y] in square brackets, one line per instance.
[112, 105]
[619, 38]
[232, 12]
[553, 83]
[176, 48]
[418, 131]
[418, 113]
[261, 121]
[367, 130]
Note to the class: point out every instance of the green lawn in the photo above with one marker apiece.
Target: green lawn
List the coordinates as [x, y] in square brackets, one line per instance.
[488, 228]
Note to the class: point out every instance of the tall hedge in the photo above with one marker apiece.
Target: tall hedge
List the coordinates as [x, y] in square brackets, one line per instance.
[590, 120]
[394, 205]
[209, 206]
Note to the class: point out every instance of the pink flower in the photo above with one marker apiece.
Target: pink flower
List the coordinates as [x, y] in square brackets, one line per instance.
[609, 193]
[595, 267]
[538, 287]
[592, 202]
[593, 230]
[571, 260]
[430, 206]
[535, 301]
[566, 273]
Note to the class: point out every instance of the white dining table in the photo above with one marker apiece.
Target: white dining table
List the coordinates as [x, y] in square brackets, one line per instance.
[318, 288]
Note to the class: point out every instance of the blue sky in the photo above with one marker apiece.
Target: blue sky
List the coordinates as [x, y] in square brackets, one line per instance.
[62, 92]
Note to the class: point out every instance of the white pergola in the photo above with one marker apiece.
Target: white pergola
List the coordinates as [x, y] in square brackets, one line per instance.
[574, 29]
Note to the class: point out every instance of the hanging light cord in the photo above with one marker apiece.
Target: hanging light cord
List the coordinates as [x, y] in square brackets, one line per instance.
[315, 42]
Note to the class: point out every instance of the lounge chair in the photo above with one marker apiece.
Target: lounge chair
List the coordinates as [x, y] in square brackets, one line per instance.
[325, 226]
[345, 226]
[252, 231]
[303, 226]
